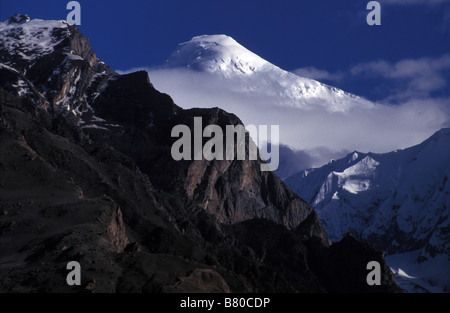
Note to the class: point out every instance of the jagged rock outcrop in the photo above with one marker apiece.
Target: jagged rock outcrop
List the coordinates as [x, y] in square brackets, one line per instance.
[86, 175]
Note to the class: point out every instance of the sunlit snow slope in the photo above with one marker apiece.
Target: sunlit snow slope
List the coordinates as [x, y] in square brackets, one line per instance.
[398, 202]
[222, 55]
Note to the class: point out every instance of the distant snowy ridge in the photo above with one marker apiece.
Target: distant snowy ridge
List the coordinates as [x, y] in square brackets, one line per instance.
[409, 185]
[398, 201]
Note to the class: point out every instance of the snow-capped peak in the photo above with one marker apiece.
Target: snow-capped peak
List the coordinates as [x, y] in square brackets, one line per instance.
[25, 39]
[245, 73]
[216, 53]
[51, 62]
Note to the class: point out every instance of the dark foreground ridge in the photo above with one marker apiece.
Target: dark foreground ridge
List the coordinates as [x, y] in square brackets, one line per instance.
[86, 175]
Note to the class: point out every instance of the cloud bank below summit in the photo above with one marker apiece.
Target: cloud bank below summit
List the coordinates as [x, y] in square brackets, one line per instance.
[382, 128]
[317, 122]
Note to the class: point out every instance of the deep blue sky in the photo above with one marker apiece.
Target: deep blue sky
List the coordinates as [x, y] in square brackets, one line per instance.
[330, 35]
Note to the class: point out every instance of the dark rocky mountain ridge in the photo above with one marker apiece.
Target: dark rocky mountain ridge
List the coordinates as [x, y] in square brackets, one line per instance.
[86, 175]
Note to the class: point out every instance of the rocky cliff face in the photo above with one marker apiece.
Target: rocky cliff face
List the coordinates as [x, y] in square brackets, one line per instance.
[86, 175]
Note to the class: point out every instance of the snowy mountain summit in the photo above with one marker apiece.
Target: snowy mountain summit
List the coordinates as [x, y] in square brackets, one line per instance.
[52, 63]
[25, 40]
[242, 71]
[216, 53]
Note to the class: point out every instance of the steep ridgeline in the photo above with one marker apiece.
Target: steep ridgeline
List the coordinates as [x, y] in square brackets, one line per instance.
[86, 175]
[398, 202]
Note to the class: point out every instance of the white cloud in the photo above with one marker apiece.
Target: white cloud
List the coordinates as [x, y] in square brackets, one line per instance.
[382, 128]
[408, 68]
[316, 135]
[318, 74]
[420, 76]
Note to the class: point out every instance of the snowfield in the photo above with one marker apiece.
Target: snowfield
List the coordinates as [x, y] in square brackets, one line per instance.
[398, 202]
